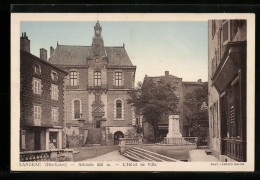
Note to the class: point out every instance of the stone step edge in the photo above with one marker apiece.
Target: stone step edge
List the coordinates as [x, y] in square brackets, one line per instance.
[158, 155]
[141, 156]
[132, 157]
[149, 155]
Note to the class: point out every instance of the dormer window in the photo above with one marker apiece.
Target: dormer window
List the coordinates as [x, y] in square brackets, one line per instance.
[37, 69]
[97, 78]
[54, 76]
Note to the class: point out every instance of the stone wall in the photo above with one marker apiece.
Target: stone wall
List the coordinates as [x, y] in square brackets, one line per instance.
[28, 98]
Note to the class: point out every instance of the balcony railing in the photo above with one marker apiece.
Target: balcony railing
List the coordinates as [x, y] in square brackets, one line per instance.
[179, 141]
[235, 149]
[47, 155]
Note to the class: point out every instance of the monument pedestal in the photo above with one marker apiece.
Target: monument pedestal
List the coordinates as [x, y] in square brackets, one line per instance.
[174, 127]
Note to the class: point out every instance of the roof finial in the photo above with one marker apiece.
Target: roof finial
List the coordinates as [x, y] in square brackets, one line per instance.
[123, 45]
[57, 43]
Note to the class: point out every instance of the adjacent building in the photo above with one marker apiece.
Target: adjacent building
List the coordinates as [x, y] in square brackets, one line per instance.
[41, 101]
[181, 89]
[96, 91]
[227, 89]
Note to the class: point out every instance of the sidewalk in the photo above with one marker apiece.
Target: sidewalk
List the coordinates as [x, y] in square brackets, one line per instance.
[199, 155]
[112, 156]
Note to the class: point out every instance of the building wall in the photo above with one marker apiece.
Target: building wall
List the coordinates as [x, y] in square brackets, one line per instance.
[112, 96]
[213, 94]
[28, 99]
[83, 97]
[237, 32]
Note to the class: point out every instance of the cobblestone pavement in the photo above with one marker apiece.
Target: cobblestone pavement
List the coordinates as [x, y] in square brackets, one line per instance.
[112, 156]
[199, 155]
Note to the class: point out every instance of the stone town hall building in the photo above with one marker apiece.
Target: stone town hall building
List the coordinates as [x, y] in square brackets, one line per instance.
[96, 91]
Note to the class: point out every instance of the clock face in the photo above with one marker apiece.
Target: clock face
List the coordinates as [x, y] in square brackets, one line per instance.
[97, 60]
[97, 31]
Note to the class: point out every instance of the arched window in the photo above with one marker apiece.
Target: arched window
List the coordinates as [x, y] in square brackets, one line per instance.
[97, 78]
[118, 109]
[76, 109]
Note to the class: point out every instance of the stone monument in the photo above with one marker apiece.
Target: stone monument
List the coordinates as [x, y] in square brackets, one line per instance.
[174, 127]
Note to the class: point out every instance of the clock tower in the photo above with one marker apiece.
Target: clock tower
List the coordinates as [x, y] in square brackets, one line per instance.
[98, 43]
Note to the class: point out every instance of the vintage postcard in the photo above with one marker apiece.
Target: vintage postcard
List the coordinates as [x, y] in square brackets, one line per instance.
[132, 92]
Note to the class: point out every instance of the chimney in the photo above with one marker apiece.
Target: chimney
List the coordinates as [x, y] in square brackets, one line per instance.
[43, 54]
[166, 73]
[24, 43]
[51, 50]
[199, 80]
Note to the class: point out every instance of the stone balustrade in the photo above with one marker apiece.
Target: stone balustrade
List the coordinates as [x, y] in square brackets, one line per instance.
[125, 142]
[179, 141]
[47, 155]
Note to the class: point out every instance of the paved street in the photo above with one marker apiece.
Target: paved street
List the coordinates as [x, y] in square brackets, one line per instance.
[199, 155]
[112, 156]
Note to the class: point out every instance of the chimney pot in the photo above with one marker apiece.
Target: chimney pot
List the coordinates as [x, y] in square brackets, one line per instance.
[166, 73]
[51, 50]
[24, 43]
[43, 54]
[199, 80]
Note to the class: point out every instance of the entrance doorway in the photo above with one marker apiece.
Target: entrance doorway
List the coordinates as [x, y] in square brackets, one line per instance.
[37, 139]
[97, 122]
[118, 135]
[53, 140]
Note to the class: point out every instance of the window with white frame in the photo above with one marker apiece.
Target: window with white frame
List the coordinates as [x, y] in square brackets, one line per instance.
[54, 76]
[54, 92]
[97, 78]
[119, 113]
[37, 112]
[54, 114]
[118, 78]
[36, 86]
[73, 78]
[37, 69]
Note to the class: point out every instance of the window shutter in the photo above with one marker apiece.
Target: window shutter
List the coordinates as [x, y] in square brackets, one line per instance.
[225, 31]
[90, 77]
[78, 78]
[123, 79]
[23, 133]
[133, 116]
[114, 78]
[103, 77]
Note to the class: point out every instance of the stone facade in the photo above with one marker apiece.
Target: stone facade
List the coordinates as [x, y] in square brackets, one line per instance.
[97, 86]
[42, 112]
[227, 89]
[181, 89]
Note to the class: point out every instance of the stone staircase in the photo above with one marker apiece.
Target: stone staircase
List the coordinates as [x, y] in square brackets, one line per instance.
[141, 155]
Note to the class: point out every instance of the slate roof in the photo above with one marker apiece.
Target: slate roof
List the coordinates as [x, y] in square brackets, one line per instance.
[76, 55]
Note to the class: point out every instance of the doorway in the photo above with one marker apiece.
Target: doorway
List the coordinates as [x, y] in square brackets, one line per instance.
[37, 139]
[97, 122]
[118, 135]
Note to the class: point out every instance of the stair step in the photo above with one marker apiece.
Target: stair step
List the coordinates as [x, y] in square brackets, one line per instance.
[131, 157]
[140, 156]
[154, 158]
[157, 155]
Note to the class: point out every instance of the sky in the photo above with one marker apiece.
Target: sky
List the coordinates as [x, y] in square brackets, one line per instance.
[180, 47]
